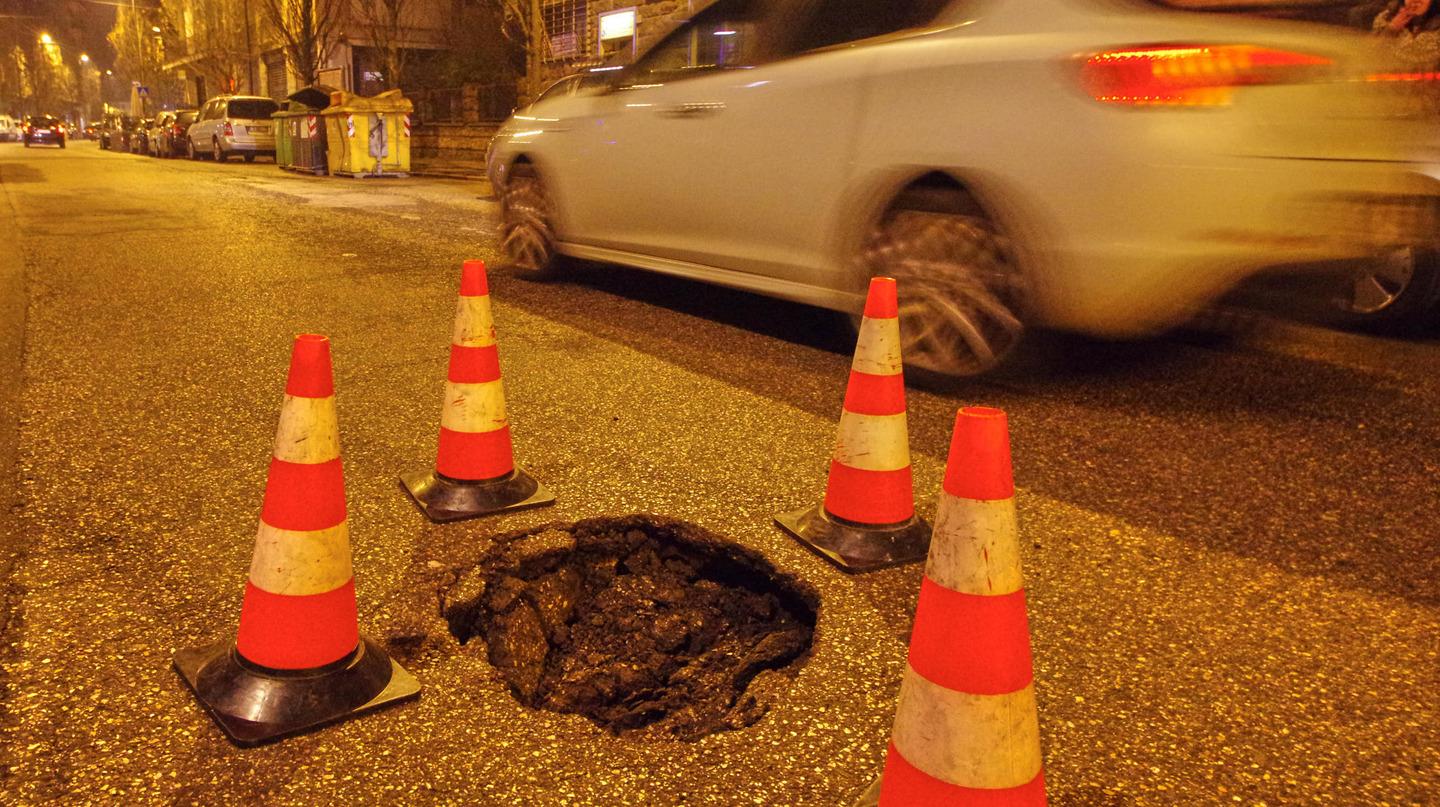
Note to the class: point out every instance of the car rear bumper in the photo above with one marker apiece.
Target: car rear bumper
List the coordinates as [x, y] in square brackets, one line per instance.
[1174, 247]
[260, 145]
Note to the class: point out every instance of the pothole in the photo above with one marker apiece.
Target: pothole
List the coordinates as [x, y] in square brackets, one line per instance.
[638, 623]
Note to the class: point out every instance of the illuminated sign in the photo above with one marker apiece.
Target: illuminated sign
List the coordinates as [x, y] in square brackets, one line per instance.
[617, 25]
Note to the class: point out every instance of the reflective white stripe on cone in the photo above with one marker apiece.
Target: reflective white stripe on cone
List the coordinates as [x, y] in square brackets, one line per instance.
[966, 727]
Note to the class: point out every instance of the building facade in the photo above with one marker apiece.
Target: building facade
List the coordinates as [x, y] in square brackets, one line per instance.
[228, 46]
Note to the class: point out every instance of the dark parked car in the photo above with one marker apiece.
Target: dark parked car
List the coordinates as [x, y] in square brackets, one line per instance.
[44, 129]
[138, 141]
[171, 139]
[115, 131]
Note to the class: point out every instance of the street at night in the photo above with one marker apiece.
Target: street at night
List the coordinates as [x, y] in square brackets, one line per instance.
[1228, 541]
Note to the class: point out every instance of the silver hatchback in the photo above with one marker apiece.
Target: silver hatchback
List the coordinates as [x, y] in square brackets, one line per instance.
[234, 124]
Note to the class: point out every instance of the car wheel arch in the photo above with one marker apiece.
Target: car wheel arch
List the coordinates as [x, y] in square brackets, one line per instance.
[541, 167]
[925, 187]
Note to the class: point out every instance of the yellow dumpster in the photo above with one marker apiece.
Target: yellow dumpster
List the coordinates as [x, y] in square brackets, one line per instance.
[368, 137]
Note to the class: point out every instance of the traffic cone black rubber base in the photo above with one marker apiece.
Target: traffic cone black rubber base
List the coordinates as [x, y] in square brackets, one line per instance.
[858, 547]
[255, 705]
[443, 499]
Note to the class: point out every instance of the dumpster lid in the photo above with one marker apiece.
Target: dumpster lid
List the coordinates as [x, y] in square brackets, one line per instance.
[316, 96]
[388, 101]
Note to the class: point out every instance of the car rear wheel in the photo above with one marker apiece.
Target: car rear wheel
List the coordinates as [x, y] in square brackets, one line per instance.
[217, 152]
[527, 235]
[960, 293]
[249, 158]
[1397, 294]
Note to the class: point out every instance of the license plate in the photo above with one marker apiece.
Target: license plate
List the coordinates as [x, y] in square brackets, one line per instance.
[258, 129]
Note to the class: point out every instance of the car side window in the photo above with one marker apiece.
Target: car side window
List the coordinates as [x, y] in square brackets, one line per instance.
[725, 36]
[835, 22]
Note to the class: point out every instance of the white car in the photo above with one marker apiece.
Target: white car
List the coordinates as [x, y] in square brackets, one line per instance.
[233, 124]
[1102, 166]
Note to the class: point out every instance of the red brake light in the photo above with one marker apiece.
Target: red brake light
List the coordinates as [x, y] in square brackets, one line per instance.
[1190, 75]
[229, 130]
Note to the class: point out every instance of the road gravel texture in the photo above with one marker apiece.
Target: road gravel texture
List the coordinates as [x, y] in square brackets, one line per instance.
[1230, 547]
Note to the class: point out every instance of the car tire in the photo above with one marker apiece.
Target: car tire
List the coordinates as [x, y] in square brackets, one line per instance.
[1397, 296]
[217, 153]
[961, 295]
[62, 144]
[249, 158]
[526, 233]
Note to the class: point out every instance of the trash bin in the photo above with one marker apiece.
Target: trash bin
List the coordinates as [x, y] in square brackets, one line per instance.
[284, 137]
[308, 148]
[368, 137]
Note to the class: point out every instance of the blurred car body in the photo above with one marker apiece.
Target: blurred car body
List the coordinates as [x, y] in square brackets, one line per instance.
[172, 139]
[234, 124]
[9, 128]
[117, 132]
[109, 127]
[153, 129]
[139, 136]
[41, 129]
[1102, 166]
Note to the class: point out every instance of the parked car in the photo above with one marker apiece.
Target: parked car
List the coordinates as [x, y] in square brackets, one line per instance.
[108, 125]
[1100, 167]
[233, 124]
[115, 132]
[41, 129]
[139, 138]
[172, 138]
[153, 128]
[9, 128]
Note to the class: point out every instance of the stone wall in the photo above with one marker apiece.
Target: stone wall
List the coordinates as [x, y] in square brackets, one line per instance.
[455, 142]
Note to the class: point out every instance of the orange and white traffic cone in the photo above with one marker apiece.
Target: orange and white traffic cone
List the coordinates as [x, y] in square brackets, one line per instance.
[867, 520]
[298, 660]
[475, 471]
[966, 729]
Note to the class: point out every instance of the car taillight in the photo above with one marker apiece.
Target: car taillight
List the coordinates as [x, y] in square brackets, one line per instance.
[229, 130]
[1191, 75]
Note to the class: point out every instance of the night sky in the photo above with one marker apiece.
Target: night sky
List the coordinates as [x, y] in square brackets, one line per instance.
[79, 26]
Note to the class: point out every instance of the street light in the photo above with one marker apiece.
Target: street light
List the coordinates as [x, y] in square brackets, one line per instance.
[84, 58]
[155, 28]
[46, 40]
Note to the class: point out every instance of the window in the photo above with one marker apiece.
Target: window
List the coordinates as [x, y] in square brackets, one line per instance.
[834, 22]
[726, 35]
[564, 23]
[252, 109]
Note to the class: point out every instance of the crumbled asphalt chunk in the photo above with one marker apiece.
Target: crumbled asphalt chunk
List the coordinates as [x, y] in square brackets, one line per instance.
[636, 623]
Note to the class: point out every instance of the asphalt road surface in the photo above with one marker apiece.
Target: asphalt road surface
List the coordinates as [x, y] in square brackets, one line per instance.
[1230, 545]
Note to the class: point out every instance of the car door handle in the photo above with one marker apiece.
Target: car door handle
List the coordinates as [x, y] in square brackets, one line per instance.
[693, 109]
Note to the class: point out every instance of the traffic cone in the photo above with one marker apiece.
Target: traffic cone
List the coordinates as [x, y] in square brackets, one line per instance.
[867, 520]
[966, 729]
[475, 471]
[298, 660]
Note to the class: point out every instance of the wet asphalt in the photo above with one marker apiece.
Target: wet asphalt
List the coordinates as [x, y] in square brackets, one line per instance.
[1230, 543]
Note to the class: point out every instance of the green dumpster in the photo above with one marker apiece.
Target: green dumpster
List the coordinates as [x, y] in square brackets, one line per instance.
[284, 137]
[368, 137]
